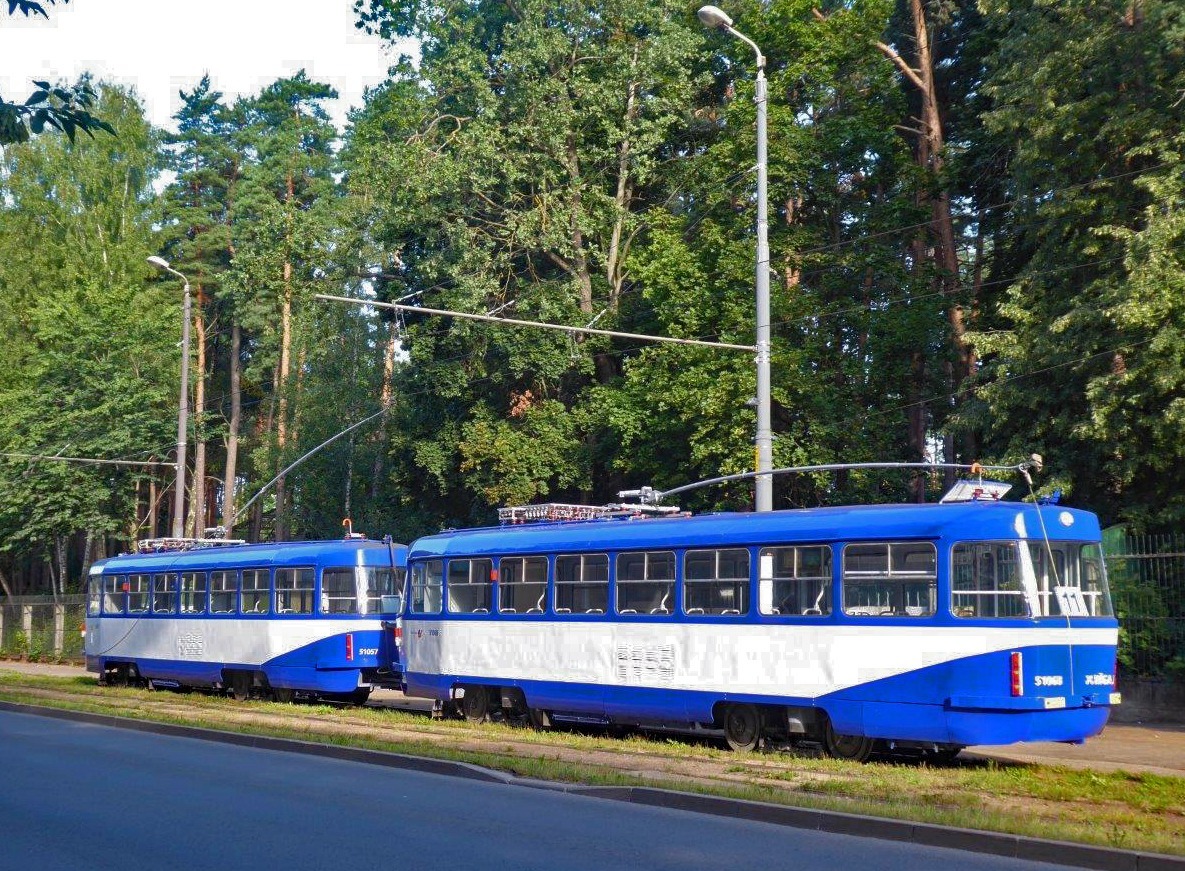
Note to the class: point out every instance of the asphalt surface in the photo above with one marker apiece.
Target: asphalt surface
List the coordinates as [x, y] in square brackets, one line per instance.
[78, 795]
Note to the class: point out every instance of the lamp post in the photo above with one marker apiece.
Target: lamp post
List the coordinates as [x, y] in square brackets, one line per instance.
[182, 402]
[715, 19]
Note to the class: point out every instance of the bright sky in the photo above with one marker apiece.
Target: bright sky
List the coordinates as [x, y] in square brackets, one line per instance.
[162, 46]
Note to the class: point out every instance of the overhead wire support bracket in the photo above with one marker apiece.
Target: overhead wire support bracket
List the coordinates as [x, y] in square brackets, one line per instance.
[540, 324]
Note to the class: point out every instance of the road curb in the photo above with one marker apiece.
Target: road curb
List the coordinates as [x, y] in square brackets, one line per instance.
[835, 822]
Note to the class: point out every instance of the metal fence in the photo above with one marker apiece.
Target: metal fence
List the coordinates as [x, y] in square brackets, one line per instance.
[1147, 574]
[40, 628]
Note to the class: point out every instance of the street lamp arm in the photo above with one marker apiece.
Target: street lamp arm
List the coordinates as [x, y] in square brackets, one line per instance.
[734, 32]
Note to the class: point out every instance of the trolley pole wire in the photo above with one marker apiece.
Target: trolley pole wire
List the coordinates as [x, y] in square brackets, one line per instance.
[304, 457]
[650, 496]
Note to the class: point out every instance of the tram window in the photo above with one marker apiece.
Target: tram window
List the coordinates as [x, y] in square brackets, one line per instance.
[645, 582]
[985, 580]
[1071, 579]
[164, 594]
[138, 587]
[582, 584]
[193, 592]
[114, 600]
[224, 588]
[339, 591]
[470, 586]
[795, 580]
[255, 597]
[895, 579]
[382, 590]
[94, 595]
[716, 582]
[522, 585]
[294, 591]
[426, 581]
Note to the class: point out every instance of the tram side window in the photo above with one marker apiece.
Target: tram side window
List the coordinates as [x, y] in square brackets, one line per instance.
[470, 586]
[255, 597]
[582, 583]
[890, 579]
[114, 601]
[294, 591]
[426, 581]
[339, 591]
[985, 580]
[164, 594]
[94, 595]
[645, 582]
[138, 588]
[522, 585]
[193, 592]
[1072, 582]
[796, 580]
[716, 582]
[224, 589]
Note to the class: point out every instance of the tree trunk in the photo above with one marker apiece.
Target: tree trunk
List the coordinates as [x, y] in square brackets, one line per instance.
[232, 435]
[930, 156]
[197, 504]
[387, 397]
[285, 367]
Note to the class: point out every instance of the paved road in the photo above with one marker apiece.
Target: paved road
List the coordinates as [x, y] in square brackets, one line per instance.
[1150, 748]
[76, 795]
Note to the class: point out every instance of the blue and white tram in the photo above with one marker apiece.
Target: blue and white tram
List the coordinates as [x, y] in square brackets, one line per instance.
[267, 619]
[917, 626]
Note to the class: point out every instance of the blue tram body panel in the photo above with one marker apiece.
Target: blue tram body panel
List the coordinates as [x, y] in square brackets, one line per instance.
[948, 677]
[336, 647]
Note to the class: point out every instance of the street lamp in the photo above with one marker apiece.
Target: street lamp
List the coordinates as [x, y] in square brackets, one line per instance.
[182, 402]
[715, 19]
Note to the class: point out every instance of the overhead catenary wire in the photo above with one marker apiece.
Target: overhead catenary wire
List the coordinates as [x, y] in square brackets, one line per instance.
[92, 461]
[539, 324]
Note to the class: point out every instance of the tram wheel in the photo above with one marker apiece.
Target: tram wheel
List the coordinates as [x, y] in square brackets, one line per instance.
[240, 685]
[359, 697]
[475, 704]
[117, 676]
[284, 696]
[946, 754]
[539, 719]
[742, 727]
[853, 748]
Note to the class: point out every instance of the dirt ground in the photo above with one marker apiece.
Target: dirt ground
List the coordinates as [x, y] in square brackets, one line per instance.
[1158, 749]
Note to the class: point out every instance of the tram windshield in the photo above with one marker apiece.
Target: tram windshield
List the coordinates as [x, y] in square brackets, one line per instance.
[361, 590]
[1071, 579]
[1053, 579]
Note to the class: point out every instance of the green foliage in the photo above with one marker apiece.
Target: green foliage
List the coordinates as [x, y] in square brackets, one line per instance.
[1079, 363]
[87, 365]
[54, 107]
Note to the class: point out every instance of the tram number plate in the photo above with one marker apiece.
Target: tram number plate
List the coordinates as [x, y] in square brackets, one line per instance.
[1056, 702]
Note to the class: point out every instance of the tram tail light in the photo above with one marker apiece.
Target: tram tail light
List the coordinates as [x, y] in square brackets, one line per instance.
[1017, 673]
[397, 633]
[350, 646]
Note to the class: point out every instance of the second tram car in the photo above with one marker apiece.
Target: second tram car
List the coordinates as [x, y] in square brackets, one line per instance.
[912, 626]
[274, 620]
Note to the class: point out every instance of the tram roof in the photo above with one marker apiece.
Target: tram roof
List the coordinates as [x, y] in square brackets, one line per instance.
[967, 521]
[288, 553]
